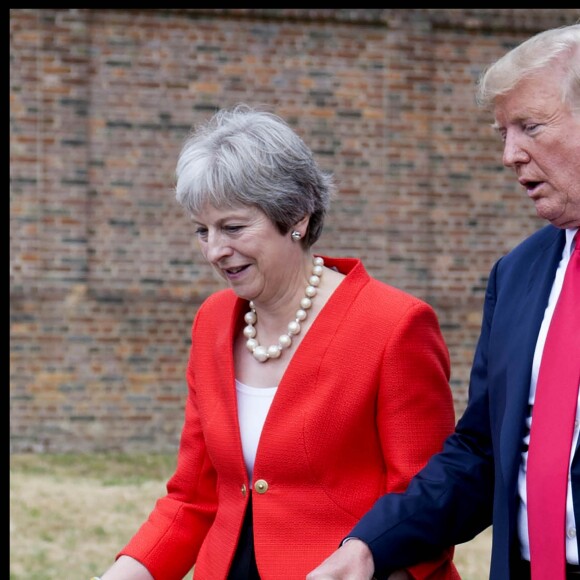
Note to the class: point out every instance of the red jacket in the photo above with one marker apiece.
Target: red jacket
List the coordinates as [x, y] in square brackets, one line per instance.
[364, 403]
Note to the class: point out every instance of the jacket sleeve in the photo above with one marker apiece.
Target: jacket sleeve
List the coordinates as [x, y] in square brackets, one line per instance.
[168, 542]
[450, 499]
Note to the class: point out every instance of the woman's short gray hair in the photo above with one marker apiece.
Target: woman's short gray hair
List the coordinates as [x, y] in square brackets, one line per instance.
[243, 156]
[531, 57]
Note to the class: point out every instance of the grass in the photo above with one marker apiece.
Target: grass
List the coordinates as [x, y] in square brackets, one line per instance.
[70, 514]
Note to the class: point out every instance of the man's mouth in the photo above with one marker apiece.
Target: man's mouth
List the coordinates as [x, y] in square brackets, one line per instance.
[530, 186]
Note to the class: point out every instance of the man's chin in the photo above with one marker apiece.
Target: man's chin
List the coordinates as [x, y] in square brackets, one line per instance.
[546, 211]
[558, 219]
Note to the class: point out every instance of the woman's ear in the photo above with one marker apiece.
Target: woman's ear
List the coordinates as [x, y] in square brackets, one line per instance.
[302, 225]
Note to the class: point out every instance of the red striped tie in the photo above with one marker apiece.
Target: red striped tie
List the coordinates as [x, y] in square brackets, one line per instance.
[552, 429]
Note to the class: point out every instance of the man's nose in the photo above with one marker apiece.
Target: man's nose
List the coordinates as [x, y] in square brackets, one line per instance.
[513, 152]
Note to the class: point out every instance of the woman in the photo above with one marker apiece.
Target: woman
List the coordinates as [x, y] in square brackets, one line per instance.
[313, 389]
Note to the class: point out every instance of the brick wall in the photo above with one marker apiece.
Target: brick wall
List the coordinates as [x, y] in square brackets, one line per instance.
[105, 277]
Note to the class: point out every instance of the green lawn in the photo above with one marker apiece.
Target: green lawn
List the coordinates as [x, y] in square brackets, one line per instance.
[69, 514]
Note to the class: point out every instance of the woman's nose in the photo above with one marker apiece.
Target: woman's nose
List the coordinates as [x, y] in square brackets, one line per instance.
[216, 247]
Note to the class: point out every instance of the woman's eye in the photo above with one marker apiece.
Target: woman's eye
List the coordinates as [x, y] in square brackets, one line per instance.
[201, 232]
[233, 229]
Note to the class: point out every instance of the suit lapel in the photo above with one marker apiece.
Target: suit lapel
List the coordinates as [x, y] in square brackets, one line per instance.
[528, 310]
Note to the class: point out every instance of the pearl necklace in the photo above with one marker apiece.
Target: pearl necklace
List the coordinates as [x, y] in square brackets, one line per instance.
[263, 354]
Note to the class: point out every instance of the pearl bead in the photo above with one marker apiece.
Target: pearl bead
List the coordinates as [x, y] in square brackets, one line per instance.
[261, 353]
[293, 328]
[301, 314]
[249, 331]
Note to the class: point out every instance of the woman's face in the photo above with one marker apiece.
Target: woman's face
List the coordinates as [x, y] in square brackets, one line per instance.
[247, 250]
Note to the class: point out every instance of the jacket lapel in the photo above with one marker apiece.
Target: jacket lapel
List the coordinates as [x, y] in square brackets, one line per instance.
[528, 312]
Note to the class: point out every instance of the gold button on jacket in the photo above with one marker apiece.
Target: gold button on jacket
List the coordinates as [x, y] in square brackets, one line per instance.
[261, 486]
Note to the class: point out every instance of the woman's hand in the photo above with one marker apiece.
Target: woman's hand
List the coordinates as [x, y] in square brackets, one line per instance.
[127, 568]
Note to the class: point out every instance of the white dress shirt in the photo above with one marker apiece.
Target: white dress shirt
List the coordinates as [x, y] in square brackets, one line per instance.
[571, 543]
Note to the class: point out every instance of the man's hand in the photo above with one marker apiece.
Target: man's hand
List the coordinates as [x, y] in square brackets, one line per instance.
[352, 561]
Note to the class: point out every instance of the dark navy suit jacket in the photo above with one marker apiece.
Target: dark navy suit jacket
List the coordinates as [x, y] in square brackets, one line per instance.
[472, 482]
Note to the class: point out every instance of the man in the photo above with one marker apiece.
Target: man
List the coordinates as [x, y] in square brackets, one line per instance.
[484, 474]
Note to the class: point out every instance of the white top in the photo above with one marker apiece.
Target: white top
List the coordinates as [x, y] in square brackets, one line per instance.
[571, 544]
[253, 406]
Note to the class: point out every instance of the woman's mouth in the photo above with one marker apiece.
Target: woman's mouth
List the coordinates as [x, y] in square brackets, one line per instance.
[234, 272]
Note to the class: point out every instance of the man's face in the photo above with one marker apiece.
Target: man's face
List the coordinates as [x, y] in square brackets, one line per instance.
[541, 136]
